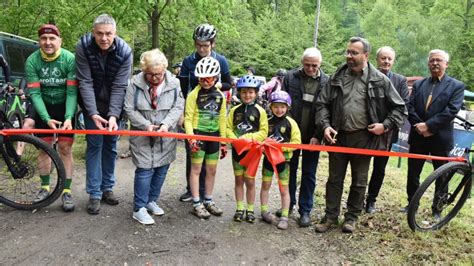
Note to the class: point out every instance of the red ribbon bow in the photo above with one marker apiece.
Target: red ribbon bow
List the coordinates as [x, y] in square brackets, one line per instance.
[254, 150]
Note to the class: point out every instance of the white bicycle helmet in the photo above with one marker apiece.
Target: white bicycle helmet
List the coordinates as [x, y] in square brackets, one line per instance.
[207, 67]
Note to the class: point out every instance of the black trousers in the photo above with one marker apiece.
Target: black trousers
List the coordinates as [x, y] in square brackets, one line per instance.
[415, 166]
[337, 172]
[377, 177]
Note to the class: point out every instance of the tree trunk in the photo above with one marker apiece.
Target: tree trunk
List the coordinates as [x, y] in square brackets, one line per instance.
[155, 27]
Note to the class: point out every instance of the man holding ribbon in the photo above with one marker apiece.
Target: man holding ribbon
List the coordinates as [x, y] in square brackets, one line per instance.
[104, 63]
[51, 77]
[434, 102]
[358, 108]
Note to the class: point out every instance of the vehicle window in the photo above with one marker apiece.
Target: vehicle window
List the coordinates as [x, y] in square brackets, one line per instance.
[16, 60]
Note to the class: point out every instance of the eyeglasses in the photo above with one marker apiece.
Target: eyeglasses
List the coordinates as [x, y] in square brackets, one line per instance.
[207, 79]
[351, 53]
[150, 75]
[202, 46]
[311, 65]
[436, 60]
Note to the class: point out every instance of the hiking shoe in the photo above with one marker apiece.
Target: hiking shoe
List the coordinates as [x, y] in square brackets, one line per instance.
[93, 207]
[239, 216]
[186, 196]
[370, 207]
[68, 204]
[213, 209]
[348, 226]
[250, 216]
[268, 217]
[143, 217]
[325, 225]
[201, 212]
[305, 220]
[283, 223]
[154, 208]
[42, 194]
[109, 198]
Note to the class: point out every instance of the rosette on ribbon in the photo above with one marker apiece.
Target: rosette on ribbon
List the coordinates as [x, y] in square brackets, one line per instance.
[254, 150]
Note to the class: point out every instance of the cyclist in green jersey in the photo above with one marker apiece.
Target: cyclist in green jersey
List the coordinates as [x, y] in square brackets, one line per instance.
[247, 120]
[51, 77]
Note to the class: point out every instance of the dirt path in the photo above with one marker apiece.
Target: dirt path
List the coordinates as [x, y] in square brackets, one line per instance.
[50, 236]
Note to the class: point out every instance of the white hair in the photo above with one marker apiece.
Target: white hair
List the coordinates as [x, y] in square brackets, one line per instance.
[385, 48]
[443, 53]
[153, 58]
[312, 52]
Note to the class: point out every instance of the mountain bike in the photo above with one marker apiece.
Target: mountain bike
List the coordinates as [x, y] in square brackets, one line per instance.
[20, 180]
[431, 209]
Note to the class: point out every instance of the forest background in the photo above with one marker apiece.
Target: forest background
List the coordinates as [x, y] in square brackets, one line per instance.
[268, 34]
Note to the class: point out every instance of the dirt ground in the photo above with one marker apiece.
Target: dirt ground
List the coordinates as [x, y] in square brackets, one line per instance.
[50, 236]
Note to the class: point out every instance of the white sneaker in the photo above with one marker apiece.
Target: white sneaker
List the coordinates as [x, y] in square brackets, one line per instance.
[154, 208]
[143, 217]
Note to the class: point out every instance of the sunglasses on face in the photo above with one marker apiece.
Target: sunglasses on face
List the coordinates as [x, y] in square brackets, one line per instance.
[207, 79]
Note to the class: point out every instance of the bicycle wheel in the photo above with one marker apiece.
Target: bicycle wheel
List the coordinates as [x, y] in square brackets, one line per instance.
[20, 187]
[454, 186]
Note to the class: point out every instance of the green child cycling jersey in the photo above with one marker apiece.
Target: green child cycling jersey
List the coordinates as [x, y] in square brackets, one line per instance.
[284, 130]
[52, 83]
[205, 111]
[248, 121]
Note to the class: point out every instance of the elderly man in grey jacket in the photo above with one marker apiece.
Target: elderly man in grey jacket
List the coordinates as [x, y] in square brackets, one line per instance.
[153, 103]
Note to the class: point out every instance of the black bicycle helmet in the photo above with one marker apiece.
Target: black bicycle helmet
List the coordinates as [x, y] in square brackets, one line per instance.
[281, 73]
[205, 32]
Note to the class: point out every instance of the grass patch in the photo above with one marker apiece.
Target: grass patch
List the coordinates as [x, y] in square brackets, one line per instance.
[385, 237]
[79, 149]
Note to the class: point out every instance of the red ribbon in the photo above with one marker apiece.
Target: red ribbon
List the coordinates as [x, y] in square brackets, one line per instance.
[254, 150]
[270, 147]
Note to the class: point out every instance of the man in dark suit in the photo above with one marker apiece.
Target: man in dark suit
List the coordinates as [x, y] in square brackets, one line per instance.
[385, 60]
[434, 102]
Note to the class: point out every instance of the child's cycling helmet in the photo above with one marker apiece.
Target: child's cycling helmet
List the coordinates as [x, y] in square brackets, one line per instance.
[207, 67]
[204, 32]
[280, 97]
[248, 81]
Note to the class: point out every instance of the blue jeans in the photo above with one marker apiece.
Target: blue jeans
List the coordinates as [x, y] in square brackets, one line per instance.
[308, 179]
[101, 153]
[147, 186]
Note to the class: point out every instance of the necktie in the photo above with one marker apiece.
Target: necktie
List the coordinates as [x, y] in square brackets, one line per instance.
[428, 102]
[154, 96]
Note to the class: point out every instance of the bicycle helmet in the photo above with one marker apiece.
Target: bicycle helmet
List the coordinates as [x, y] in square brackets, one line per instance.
[177, 65]
[281, 73]
[248, 81]
[205, 32]
[280, 97]
[207, 67]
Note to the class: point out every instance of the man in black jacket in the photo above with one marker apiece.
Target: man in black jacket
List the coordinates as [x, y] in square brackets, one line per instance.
[358, 108]
[303, 84]
[385, 60]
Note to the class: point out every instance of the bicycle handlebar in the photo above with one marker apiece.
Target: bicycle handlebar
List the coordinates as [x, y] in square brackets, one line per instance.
[466, 124]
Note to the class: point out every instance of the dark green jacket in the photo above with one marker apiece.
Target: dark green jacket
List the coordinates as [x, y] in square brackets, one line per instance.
[384, 105]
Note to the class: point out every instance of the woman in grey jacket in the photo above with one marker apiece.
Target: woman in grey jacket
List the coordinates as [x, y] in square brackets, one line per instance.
[153, 103]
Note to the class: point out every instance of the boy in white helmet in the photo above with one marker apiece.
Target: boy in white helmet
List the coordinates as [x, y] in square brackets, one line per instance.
[205, 115]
